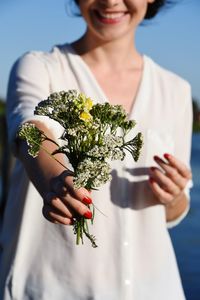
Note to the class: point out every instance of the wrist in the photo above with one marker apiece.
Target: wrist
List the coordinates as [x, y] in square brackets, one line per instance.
[177, 207]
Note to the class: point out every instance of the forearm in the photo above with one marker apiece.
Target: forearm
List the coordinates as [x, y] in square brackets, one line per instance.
[177, 208]
[42, 168]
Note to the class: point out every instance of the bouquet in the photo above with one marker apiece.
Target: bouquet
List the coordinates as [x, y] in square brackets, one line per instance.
[93, 134]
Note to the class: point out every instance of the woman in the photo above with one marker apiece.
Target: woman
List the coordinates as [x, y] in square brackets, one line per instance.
[135, 259]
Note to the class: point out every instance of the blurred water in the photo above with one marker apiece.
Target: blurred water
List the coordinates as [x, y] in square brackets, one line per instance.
[186, 236]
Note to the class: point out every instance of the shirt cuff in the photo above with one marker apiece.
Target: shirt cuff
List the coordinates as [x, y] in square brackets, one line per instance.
[178, 220]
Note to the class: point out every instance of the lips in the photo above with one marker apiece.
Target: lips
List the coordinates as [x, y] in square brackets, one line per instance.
[110, 17]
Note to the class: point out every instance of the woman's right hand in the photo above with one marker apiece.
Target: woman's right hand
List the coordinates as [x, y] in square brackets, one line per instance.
[63, 202]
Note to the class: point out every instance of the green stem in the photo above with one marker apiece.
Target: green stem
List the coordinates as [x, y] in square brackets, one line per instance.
[78, 233]
[43, 148]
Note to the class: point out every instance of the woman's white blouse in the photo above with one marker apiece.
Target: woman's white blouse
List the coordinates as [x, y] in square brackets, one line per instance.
[134, 259]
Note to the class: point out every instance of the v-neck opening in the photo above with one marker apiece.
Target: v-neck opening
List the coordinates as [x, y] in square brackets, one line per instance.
[99, 88]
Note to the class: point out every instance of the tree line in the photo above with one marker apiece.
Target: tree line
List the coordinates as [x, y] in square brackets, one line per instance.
[196, 116]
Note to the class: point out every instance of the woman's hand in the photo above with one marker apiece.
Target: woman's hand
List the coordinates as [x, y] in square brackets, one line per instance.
[168, 181]
[63, 202]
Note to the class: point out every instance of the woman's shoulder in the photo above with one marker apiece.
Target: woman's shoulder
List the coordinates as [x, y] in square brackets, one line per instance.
[36, 61]
[166, 77]
[51, 57]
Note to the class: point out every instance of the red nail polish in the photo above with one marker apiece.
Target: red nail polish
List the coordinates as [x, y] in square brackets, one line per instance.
[88, 214]
[152, 168]
[167, 156]
[87, 200]
[151, 180]
[156, 157]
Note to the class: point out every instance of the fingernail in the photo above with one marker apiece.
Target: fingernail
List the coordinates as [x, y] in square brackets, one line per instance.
[88, 214]
[152, 168]
[87, 200]
[167, 156]
[151, 180]
[156, 157]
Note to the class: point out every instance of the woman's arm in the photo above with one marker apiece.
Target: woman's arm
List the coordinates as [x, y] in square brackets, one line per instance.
[29, 84]
[54, 182]
[170, 182]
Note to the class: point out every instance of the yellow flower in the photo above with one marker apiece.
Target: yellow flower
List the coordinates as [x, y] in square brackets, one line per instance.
[88, 104]
[85, 116]
[82, 97]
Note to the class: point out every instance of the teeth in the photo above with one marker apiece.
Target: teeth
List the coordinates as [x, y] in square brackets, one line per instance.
[111, 15]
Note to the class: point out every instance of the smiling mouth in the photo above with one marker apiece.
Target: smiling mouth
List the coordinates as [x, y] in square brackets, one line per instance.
[110, 17]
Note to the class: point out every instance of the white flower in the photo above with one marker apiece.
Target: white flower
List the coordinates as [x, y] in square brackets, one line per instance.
[95, 171]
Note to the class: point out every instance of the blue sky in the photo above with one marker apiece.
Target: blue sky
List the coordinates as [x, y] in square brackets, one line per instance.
[172, 39]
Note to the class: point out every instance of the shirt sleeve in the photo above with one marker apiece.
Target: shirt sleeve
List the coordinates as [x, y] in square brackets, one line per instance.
[28, 85]
[183, 139]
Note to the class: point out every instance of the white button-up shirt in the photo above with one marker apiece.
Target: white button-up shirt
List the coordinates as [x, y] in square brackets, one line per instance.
[134, 259]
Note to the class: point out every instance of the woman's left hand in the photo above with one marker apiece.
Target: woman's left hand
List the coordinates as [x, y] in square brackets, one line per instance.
[168, 181]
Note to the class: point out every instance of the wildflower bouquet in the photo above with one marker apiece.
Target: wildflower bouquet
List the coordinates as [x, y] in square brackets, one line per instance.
[92, 135]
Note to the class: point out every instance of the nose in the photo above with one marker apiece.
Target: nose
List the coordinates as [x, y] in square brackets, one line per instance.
[109, 3]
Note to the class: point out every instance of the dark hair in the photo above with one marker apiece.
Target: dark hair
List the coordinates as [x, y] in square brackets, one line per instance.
[152, 8]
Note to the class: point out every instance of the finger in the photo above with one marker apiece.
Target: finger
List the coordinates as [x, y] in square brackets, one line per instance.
[175, 176]
[67, 206]
[53, 216]
[52, 200]
[181, 167]
[163, 196]
[172, 173]
[164, 181]
[77, 206]
[81, 194]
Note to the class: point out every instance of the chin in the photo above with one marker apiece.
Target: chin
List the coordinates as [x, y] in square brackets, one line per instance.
[111, 36]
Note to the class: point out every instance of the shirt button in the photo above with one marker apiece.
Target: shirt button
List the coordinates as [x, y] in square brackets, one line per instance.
[127, 282]
[125, 244]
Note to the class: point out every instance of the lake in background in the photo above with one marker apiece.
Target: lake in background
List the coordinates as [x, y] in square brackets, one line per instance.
[186, 236]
